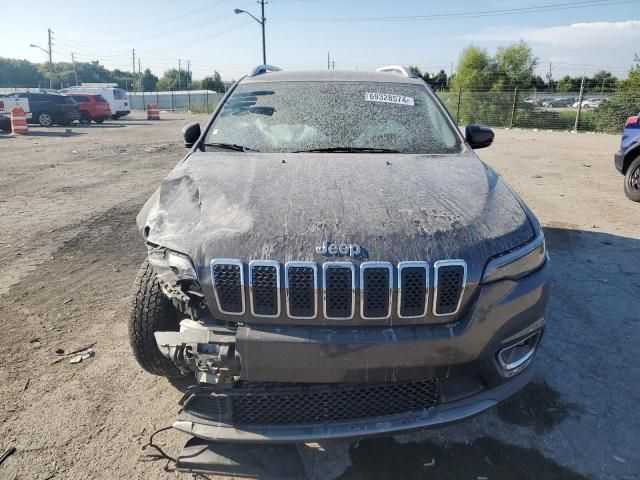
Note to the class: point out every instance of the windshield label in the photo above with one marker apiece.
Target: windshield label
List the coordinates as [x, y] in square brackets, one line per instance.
[388, 98]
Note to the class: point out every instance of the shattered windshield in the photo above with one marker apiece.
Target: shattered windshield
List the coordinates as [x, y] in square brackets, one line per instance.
[333, 116]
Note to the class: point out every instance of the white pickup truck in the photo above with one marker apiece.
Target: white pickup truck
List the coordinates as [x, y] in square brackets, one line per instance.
[6, 104]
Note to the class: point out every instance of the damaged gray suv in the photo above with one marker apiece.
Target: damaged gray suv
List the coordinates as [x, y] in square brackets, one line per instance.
[332, 259]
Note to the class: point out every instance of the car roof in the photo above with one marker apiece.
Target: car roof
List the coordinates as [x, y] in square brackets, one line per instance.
[332, 76]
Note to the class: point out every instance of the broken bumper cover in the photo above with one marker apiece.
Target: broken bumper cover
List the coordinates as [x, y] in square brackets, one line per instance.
[503, 318]
[438, 416]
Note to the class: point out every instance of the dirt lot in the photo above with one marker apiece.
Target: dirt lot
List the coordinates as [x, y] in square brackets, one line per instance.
[70, 250]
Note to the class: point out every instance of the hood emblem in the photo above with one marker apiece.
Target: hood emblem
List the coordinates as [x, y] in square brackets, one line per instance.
[339, 249]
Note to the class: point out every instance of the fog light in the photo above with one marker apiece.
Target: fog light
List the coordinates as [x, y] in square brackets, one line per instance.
[516, 357]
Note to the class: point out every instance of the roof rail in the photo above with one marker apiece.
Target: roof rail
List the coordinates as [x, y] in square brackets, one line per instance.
[260, 69]
[397, 69]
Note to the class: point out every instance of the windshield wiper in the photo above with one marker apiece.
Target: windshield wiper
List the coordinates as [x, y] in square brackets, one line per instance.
[348, 150]
[231, 146]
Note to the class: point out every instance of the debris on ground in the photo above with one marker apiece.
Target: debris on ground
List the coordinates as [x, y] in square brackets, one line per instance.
[68, 300]
[9, 451]
[619, 459]
[87, 354]
[431, 463]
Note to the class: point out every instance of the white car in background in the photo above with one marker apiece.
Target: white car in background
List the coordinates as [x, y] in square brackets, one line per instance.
[590, 103]
[117, 97]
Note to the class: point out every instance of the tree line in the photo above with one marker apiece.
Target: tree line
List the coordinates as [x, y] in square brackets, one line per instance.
[23, 74]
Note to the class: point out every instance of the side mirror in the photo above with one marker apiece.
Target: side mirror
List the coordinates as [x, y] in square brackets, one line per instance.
[478, 136]
[191, 134]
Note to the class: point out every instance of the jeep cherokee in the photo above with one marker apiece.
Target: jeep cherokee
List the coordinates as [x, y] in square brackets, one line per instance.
[332, 259]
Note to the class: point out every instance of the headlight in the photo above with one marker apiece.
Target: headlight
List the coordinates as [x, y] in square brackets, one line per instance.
[167, 262]
[517, 263]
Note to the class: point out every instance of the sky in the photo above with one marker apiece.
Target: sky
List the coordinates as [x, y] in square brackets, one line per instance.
[573, 35]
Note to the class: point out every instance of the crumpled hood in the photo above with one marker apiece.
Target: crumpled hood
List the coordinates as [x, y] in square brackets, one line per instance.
[280, 206]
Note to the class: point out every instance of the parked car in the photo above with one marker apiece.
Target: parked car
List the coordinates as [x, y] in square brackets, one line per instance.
[627, 159]
[116, 97]
[6, 104]
[91, 106]
[48, 109]
[559, 102]
[590, 103]
[331, 252]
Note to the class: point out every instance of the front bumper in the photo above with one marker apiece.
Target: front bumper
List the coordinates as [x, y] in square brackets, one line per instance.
[438, 416]
[500, 315]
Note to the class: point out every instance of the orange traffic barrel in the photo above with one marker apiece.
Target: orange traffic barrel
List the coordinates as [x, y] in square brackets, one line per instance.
[153, 111]
[18, 121]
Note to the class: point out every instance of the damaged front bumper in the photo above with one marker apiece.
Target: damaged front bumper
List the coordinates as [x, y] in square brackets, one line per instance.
[275, 383]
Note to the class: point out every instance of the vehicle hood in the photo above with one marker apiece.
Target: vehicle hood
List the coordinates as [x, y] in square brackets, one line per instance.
[397, 207]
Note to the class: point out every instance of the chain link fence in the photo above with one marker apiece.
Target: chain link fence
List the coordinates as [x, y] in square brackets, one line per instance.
[554, 111]
[199, 101]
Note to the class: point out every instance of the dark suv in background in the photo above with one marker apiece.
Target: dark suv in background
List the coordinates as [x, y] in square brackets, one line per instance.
[48, 109]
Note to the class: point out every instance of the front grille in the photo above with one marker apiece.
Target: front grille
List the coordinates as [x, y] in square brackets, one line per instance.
[265, 285]
[338, 290]
[375, 286]
[228, 286]
[282, 403]
[450, 283]
[376, 283]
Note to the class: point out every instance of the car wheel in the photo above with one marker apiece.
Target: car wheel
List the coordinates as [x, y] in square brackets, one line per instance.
[99, 120]
[45, 119]
[85, 118]
[151, 312]
[632, 181]
[115, 117]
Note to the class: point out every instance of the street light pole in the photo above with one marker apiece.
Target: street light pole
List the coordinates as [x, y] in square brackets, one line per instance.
[264, 43]
[262, 24]
[48, 52]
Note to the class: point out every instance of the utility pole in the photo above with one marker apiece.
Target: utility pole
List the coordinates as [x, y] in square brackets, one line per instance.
[328, 60]
[264, 45]
[549, 77]
[75, 73]
[50, 61]
[133, 75]
[139, 75]
[575, 127]
[450, 75]
[179, 67]
[334, 64]
[188, 80]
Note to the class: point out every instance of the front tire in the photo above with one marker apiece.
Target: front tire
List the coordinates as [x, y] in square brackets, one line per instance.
[151, 312]
[85, 118]
[45, 119]
[632, 181]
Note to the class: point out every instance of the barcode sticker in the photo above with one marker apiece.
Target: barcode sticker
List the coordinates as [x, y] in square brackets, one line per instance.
[388, 98]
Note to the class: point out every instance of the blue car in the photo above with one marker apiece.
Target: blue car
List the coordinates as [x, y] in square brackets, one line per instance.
[627, 159]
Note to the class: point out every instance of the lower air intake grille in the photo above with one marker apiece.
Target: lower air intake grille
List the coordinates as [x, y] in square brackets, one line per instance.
[228, 286]
[450, 280]
[413, 281]
[264, 290]
[339, 292]
[375, 291]
[282, 404]
[301, 291]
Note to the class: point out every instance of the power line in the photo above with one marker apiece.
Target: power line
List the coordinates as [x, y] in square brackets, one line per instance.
[454, 15]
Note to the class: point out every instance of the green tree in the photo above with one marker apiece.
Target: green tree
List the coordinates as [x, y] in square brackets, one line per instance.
[565, 84]
[214, 82]
[21, 73]
[602, 81]
[174, 80]
[515, 66]
[149, 81]
[476, 70]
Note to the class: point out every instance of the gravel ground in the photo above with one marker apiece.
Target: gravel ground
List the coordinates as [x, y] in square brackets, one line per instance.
[70, 250]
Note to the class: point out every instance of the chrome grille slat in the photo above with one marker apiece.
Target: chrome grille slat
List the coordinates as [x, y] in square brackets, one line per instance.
[450, 279]
[413, 289]
[301, 283]
[338, 285]
[376, 287]
[227, 278]
[264, 288]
